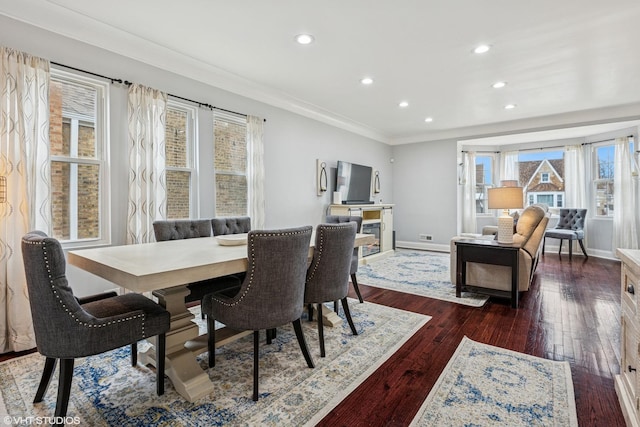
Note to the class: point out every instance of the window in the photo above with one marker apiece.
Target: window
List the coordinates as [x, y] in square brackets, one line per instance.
[544, 177]
[230, 165]
[484, 181]
[180, 160]
[603, 184]
[79, 171]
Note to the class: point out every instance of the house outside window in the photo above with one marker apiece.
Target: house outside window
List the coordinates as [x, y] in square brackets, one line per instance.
[603, 184]
[484, 181]
[230, 165]
[180, 155]
[79, 169]
[542, 176]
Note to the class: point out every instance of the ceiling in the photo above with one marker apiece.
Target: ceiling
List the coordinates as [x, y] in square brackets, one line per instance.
[565, 62]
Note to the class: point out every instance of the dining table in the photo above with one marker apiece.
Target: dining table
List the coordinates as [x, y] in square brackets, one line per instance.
[164, 269]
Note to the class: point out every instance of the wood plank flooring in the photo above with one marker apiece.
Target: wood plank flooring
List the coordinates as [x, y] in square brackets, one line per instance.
[572, 312]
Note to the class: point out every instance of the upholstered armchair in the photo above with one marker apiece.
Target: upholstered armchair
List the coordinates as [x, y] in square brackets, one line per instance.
[66, 329]
[337, 219]
[529, 234]
[190, 229]
[271, 295]
[328, 274]
[570, 227]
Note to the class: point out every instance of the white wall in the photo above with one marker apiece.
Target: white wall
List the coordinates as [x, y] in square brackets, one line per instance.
[292, 142]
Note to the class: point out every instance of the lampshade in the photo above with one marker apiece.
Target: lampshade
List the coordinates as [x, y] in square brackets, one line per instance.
[505, 198]
[3, 189]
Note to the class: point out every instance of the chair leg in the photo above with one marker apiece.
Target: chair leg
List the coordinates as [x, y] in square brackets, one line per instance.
[134, 354]
[271, 335]
[161, 344]
[256, 358]
[355, 287]
[64, 387]
[321, 332]
[49, 366]
[297, 326]
[582, 247]
[560, 248]
[570, 249]
[347, 313]
[335, 306]
[544, 242]
[310, 311]
[211, 340]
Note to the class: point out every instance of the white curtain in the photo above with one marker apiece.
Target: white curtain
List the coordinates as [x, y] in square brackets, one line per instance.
[625, 233]
[509, 167]
[575, 184]
[469, 193]
[147, 166]
[255, 165]
[24, 161]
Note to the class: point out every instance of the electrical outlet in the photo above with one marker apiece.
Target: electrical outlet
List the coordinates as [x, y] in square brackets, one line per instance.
[426, 237]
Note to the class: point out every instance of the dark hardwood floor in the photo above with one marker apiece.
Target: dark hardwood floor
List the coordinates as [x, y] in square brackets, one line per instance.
[571, 312]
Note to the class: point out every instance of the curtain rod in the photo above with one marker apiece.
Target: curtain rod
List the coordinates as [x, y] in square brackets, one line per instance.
[546, 148]
[128, 83]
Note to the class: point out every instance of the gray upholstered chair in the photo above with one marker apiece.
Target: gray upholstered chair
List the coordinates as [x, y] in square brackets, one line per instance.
[570, 227]
[328, 274]
[336, 219]
[66, 327]
[231, 225]
[188, 229]
[271, 295]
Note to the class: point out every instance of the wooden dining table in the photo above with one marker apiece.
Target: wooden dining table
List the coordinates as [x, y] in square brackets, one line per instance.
[165, 268]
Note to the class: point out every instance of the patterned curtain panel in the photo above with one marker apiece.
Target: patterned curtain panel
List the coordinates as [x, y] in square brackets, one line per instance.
[147, 181]
[625, 233]
[255, 144]
[24, 161]
[469, 193]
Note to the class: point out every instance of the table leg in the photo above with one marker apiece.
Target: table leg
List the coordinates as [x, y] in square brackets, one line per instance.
[514, 279]
[188, 378]
[460, 274]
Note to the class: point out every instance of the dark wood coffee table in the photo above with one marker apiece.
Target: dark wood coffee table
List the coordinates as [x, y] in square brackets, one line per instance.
[487, 252]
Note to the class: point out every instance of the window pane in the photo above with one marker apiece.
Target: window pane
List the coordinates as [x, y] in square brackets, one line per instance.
[546, 199]
[176, 138]
[178, 185]
[72, 118]
[604, 198]
[484, 180]
[231, 146]
[605, 162]
[75, 213]
[231, 193]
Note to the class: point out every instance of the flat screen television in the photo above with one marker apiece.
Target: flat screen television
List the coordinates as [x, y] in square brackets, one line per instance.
[354, 183]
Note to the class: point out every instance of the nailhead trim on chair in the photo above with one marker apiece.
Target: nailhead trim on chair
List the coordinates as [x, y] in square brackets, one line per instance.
[66, 309]
[251, 274]
[320, 249]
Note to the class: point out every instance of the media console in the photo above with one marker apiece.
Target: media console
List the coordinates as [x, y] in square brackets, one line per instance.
[377, 219]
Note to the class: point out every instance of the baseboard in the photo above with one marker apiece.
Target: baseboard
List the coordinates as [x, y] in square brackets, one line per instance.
[422, 246]
[596, 253]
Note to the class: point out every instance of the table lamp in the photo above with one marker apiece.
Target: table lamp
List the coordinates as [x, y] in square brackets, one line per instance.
[505, 198]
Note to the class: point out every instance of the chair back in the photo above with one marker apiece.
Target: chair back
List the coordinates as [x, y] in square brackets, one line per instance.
[339, 219]
[181, 229]
[571, 219]
[55, 311]
[231, 225]
[328, 275]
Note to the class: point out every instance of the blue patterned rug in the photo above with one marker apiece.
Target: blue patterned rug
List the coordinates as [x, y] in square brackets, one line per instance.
[107, 391]
[419, 273]
[483, 385]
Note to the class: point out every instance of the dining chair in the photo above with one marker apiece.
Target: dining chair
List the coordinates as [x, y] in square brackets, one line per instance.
[328, 274]
[66, 327]
[189, 229]
[337, 219]
[570, 227]
[231, 225]
[271, 295]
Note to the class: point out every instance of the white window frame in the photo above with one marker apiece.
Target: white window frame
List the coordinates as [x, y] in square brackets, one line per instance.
[102, 159]
[545, 177]
[494, 178]
[597, 180]
[192, 153]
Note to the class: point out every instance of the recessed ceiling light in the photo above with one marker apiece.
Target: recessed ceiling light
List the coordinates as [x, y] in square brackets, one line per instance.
[366, 80]
[510, 106]
[304, 38]
[428, 119]
[483, 48]
[498, 85]
[403, 104]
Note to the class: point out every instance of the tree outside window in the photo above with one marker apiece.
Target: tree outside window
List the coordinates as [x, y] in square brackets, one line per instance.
[603, 184]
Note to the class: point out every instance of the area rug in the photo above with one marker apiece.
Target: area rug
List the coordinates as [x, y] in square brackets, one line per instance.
[419, 273]
[483, 385]
[107, 391]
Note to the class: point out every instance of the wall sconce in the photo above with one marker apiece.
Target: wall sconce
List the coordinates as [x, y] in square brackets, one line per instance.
[321, 177]
[376, 183]
[3, 189]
